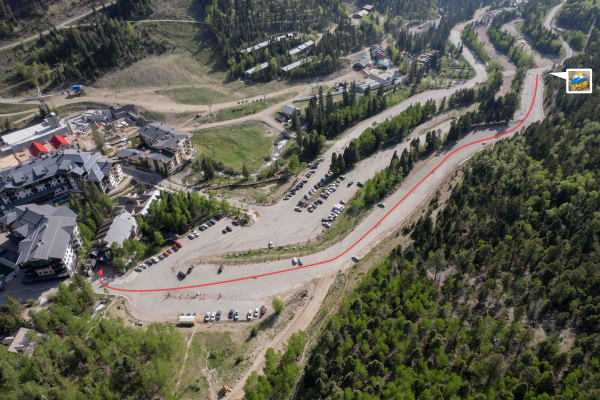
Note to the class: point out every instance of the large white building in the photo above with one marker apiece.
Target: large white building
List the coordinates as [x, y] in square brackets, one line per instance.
[21, 139]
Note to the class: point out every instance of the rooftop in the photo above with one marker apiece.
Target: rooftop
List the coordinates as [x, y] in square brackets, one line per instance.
[20, 343]
[289, 110]
[117, 230]
[296, 64]
[256, 68]
[46, 230]
[163, 137]
[301, 48]
[35, 132]
[92, 166]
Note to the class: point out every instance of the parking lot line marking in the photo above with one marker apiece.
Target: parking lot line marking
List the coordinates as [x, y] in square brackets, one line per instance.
[100, 273]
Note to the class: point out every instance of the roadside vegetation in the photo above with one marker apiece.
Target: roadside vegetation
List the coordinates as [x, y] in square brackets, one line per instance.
[469, 36]
[507, 43]
[495, 297]
[534, 13]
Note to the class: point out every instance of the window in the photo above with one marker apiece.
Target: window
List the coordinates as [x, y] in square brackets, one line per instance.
[44, 271]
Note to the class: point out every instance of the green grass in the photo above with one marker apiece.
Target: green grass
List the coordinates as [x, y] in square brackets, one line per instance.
[242, 110]
[83, 106]
[235, 145]
[193, 383]
[153, 116]
[7, 108]
[195, 95]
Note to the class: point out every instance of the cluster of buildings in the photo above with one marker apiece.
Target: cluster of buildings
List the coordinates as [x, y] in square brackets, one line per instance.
[166, 149]
[366, 10]
[40, 236]
[425, 58]
[296, 50]
[36, 137]
[266, 43]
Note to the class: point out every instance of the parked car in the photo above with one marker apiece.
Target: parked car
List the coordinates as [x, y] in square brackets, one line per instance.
[359, 184]
[355, 259]
[179, 245]
[210, 223]
[224, 230]
[381, 205]
[181, 276]
[212, 316]
[249, 315]
[236, 315]
[235, 222]
[230, 315]
[229, 228]
[263, 310]
[300, 262]
[218, 315]
[190, 269]
[220, 269]
[256, 312]
[294, 261]
[207, 317]
[170, 250]
[161, 257]
[155, 259]
[350, 183]
[138, 270]
[166, 254]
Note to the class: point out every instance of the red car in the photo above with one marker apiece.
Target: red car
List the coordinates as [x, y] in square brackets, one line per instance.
[178, 245]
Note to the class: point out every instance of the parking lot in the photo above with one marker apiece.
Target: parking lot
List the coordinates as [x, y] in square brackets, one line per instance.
[281, 225]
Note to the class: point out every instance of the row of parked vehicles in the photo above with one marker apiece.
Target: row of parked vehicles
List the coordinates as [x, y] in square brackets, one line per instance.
[235, 314]
[156, 259]
[304, 180]
[335, 211]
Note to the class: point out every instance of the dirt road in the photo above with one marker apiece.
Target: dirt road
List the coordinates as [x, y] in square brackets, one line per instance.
[45, 32]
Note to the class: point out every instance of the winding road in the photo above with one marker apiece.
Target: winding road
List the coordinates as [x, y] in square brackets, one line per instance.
[246, 287]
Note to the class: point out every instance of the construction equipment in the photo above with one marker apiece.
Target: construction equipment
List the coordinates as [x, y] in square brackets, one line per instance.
[77, 89]
[224, 390]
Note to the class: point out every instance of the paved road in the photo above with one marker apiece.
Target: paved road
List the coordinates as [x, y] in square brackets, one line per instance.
[284, 226]
[550, 24]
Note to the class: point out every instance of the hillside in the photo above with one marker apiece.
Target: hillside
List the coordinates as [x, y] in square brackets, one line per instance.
[497, 297]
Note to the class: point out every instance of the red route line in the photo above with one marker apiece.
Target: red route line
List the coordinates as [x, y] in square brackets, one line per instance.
[355, 243]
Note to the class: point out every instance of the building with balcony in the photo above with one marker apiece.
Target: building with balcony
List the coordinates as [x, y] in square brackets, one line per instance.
[55, 175]
[169, 149]
[45, 238]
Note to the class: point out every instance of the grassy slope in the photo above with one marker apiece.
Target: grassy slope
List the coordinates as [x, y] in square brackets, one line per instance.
[195, 95]
[235, 145]
[7, 108]
[239, 111]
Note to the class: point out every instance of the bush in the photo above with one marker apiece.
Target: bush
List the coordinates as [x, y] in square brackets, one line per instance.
[278, 305]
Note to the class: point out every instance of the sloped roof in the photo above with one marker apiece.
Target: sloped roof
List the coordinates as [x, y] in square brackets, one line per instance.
[47, 230]
[119, 229]
[57, 163]
[57, 141]
[36, 148]
[162, 136]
